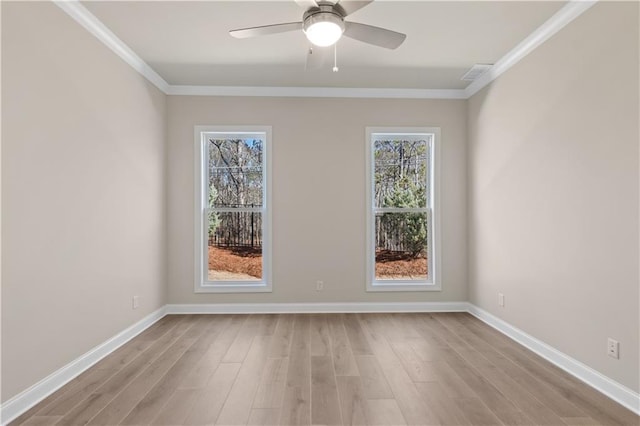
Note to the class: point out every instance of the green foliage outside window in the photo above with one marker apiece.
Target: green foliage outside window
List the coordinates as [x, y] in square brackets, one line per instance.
[411, 226]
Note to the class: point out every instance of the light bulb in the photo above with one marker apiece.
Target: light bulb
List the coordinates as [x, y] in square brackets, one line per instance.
[324, 33]
[324, 28]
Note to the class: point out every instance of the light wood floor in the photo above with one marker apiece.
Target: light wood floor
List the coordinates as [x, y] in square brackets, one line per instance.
[375, 369]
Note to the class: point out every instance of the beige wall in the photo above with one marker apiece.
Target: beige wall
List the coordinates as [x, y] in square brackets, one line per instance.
[82, 193]
[318, 192]
[553, 184]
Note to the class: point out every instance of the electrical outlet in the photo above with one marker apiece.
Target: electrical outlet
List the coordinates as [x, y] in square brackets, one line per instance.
[613, 348]
[501, 299]
[135, 302]
[319, 285]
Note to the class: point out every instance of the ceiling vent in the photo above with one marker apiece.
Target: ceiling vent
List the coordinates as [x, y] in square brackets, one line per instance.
[476, 71]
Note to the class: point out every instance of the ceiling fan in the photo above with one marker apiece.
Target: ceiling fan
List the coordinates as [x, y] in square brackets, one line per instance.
[323, 23]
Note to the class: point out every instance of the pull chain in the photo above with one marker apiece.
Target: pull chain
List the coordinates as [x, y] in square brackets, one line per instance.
[335, 57]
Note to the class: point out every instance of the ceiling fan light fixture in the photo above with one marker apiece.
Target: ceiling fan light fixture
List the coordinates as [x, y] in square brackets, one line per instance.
[324, 28]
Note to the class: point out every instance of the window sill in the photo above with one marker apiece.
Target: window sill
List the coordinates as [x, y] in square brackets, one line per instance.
[233, 288]
[402, 286]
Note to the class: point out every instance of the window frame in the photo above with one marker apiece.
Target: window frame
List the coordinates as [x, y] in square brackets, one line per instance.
[201, 211]
[434, 279]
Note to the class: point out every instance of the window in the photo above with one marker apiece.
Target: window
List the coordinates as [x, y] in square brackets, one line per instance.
[233, 217]
[402, 215]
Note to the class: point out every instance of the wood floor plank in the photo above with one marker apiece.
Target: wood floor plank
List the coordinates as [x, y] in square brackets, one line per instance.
[445, 409]
[62, 405]
[133, 396]
[433, 340]
[426, 351]
[125, 354]
[521, 398]
[352, 400]
[515, 418]
[451, 382]
[240, 346]
[93, 403]
[42, 420]
[320, 337]
[436, 328]
[24, 417]
[405, 325]
[264, 416]
[580, 421]
[268, 324]
[237, 406]
[146, 410]
[354, 369]
[546, 395]
[272, 384]
[594, 404]
[357, 339]
[375, 385]
[120, 406]
[177, 408]
[209, 401]
[64, 399]
[477, 413]
[281, 341]
[160, 328]
[385, 325]
[296, 404]
[384, 412]
[325, 408]
[202, 371]
[418, 370]
[484, 390]
[343, 360]
[404, 390]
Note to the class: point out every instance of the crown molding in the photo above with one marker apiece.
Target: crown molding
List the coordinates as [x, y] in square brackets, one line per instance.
[558, 21]
[92, 24]
[317, 92]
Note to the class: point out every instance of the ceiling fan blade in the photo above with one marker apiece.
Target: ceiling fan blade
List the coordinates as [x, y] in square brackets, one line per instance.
[306, 4]
[266, 30]
[350, 6]
[373, 35]
[317, 57]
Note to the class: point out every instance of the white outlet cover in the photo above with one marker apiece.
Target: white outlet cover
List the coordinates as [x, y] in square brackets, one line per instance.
[613, 348]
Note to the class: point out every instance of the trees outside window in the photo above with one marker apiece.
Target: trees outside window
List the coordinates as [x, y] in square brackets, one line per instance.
[233, 247]
[401, 176]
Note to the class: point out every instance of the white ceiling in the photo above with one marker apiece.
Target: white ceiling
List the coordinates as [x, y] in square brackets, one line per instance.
[187, 42]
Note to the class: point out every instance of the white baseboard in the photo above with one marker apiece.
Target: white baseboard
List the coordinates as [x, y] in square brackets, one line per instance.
[614, 390]
[26, 399]
[300, 308]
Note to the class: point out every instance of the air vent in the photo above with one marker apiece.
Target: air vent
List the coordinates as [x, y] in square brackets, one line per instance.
[476, 71]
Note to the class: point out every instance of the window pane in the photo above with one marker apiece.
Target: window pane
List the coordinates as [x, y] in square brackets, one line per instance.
[235, 172]
[235, 246]
[401, 246]
[401, 173]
